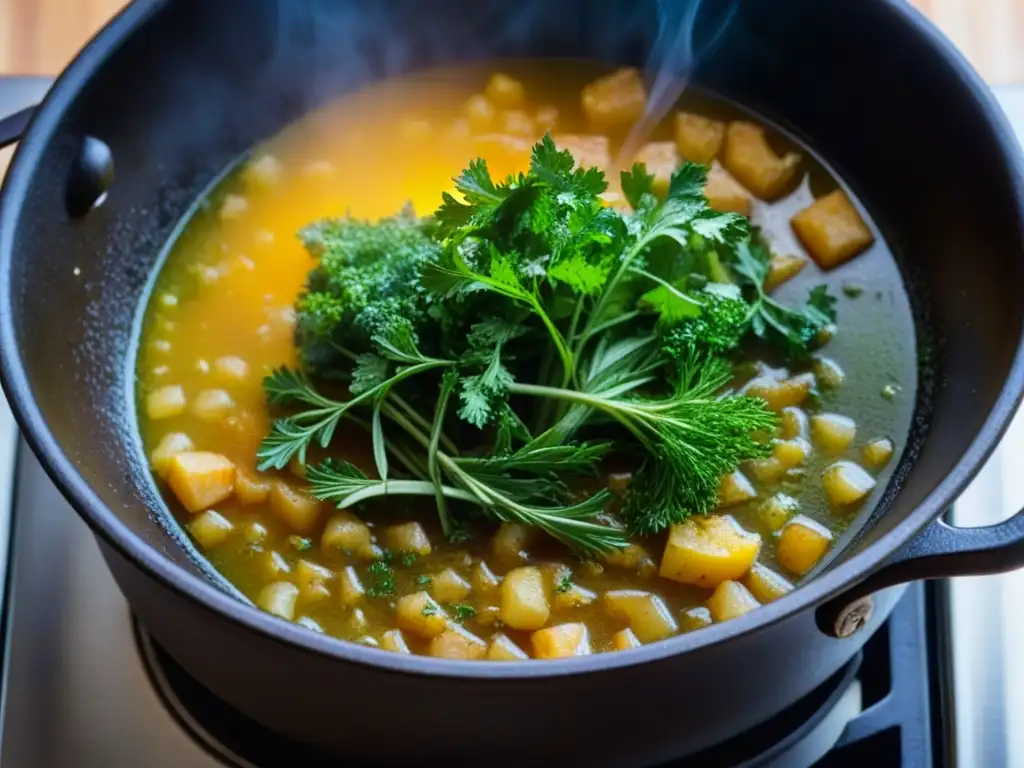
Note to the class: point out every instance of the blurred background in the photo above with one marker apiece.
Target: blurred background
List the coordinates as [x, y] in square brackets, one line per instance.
[38, 37]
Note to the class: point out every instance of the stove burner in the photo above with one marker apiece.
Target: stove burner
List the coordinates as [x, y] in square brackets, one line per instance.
[877, 709]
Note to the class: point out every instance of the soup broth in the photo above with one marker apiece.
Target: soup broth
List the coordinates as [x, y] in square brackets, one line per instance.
[222, 316]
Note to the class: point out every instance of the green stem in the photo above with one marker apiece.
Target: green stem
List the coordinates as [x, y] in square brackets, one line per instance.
[667, 286]
[559, 341]
[616, 410]
[405, 488]
[414, 415]
[432, 453]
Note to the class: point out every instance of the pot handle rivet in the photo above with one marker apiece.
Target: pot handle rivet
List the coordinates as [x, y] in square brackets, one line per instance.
[91, 175]
[853, 616]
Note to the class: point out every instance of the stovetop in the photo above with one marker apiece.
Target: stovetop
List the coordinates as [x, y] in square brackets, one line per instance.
[83, 685]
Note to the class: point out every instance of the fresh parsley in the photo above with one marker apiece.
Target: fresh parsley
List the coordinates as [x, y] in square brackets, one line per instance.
[463, 612]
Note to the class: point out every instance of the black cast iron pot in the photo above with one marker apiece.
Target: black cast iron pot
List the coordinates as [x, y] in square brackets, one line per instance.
[173, 91]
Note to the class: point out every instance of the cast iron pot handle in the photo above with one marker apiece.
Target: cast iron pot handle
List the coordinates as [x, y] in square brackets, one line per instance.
[13, 126]
[938, 552]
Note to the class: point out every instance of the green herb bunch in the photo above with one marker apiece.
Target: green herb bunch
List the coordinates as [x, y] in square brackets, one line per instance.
[507, 344]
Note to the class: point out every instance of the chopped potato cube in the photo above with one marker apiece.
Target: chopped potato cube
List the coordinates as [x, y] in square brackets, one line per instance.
[231, 368]
[210, 529]
[232, 207]
[504, 649]
[212, 405]
[793, 422]
[708, 550]
[725, 194]
[661, 159]
[646, 613]
[165, 402]
[587, 151]
[448, 587]
[561, 641]
[729, 600]
[515, 122]
[781, 268]
[485, 583]
[511, 540]
[791, 453]
[698, 138]
[828, 373]
[833, 432]
[846, 483]
[350, 588]
[457, 643]
[765, 584]
[504, 91]
[250, 488]
[546, 119]
[170, 445]
[695, 618]
[346, 533]
[420, 614]
[877, 453]
[618, 482]
[279, 599]
[780, 393]
[357, 620]
[407, 537]
[775, 512]
[574, 597]
[200, 479]
[765, 470]
[753, 162]
[275, 566]
[255, 533]
[297, 510]
[393, 640]
[633, 557]
[309, 623]
[624, 639]
[524, 604]
[734, 488]
[832, 230]
[312, 580]
[801, 544]
[616, 100]
[263, 171]
[481, 114]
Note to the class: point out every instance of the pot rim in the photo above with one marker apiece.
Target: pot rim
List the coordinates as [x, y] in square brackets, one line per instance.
[106, 525]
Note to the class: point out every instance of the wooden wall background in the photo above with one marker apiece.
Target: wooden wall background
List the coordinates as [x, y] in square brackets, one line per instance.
[39, 36]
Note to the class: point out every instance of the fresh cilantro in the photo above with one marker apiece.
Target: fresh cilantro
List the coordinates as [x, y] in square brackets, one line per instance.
[381, 579]
[564, 584]
[408, 559]
[423, 580]
[429, 610]
[300, 543]
[463, 612]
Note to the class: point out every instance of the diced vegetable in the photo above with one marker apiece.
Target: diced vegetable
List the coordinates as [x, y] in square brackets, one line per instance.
[698, 138]
[515, 122]
[781, 268]
[735, 488]
[877, 453]
[793, 422]
[832, 230]
[505, 92]
[729, 600]
[697, 617]
[448, 587]
[766, 470]
[231, 368]
[574, 597]
[263, 171]
[561, 641]
[624, 639]
[250, 488]
[309, 623]
[485, 583]
[615, 100]
[846, 483]
[633, 557]
[618, 482]
[780, 393]
[312, 580]
[828, 373]
[524, 604]
[165, 402]
[587, 151]
[775, 512]
[232, 207]
[407, 537]
[802, 542]
[457, 643]
[200, 479]
[297, 510]
[275, 566]
[210, 529]
[546, 119]
[481, 114]
[279, 599]
[170, 445]
[791, 453]
[511, 541]
[420, 614]
[708, 550]
[502, 648]
[833, 432]
[750, 158]
[350, 588]
[346, 533]
[725, 194]
[393, 640]
[357, 622]
[661, 159]
[765, 584]
[504, 152]
[255, 533]
[646, 613]
[212, 405]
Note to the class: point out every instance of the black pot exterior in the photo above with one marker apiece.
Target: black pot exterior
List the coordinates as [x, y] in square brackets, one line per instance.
[177, 89]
